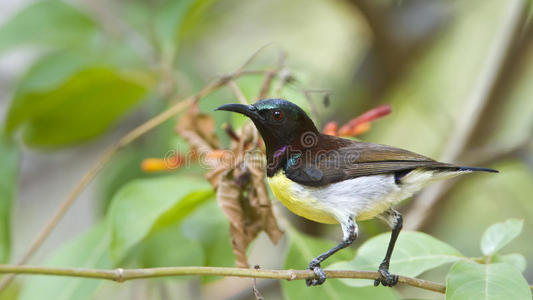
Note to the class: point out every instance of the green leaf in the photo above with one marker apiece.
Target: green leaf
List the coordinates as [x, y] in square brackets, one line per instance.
[515, 259]
[91, 250]
[54, 68]
[9, 156]
[173, 17]
[468, 280]
[499, 235]
[302, 249]
[210, 227]
[144, 205]
[51, 70]
[12, 291]
[89, 102]
[415, 253]
[52, 22]
[168, 20]
[170, 247]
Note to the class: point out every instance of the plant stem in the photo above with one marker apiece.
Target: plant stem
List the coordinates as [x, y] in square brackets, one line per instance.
[121, 275]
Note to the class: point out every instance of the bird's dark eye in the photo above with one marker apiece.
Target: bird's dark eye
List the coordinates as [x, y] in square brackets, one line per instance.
[277, 115]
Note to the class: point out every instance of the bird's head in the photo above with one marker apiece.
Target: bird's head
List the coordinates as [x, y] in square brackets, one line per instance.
[280, 122]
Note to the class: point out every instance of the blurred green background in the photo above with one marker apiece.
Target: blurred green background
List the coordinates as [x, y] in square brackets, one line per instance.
[75, 76]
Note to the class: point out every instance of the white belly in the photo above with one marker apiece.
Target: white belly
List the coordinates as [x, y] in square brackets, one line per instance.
[362, 197]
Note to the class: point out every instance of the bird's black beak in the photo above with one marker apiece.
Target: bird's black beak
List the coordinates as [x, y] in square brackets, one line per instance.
[247, 110]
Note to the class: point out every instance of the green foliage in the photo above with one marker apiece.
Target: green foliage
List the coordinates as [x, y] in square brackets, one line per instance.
[499, 277]
[93, 94]
[514, 259]
[415, 253]
[468, 280]
[51, 22]
[170, 247]
[51, 70]
[200, 239]
[499, 235]
[90, 250]
[210, 227]
[144, 205]
[83, 82]
[168, 20]
[302, 249]
[12, 291]
[9, 157]
[165, 22]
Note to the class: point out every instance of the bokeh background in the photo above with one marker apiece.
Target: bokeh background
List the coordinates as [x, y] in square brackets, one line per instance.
[75, 76]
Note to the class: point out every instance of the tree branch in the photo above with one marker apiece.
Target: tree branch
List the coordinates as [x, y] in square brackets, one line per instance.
[121, 275]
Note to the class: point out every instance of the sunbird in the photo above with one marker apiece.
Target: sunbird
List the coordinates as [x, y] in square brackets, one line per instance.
[328, 179]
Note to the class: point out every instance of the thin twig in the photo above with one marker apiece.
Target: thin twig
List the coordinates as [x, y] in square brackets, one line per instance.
[257, 293]
[254, 56]
[265, 87]
[237, 92]
[121, 275]
[269, 76]
[285, 77]
[422, 205]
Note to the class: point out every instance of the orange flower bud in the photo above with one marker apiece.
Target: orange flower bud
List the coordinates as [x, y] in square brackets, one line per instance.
[331, 128]
[151, 165]
[364, 120]
[360, 129]
[216, 154]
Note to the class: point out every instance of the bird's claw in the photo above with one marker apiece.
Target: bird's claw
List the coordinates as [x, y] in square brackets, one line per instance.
[320, 276]
[385, 278]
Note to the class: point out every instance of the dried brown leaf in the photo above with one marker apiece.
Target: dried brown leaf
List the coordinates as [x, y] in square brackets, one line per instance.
[238, 175]
[205, 126]
[239, 242]
[196, 142]
[215, 174]
[200, 125]
[259, 198]
[228, 193]
[242, 195]
[228, 197]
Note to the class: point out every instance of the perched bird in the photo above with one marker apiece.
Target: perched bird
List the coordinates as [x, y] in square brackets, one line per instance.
[331, 180]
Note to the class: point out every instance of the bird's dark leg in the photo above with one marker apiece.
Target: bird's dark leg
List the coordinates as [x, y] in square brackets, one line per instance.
[349, 229]
[395, 221]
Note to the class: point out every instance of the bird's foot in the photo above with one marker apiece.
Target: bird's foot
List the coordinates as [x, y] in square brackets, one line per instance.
[386, 278]
[320, 276]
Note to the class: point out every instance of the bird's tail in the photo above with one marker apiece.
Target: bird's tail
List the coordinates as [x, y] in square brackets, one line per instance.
[476, 169]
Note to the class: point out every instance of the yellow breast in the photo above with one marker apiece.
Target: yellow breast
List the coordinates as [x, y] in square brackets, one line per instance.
[297, 201]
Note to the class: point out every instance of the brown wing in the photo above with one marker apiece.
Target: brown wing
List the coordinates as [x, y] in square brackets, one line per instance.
[348, 159]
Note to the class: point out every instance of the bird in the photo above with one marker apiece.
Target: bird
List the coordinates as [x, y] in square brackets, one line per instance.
[329, 179]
